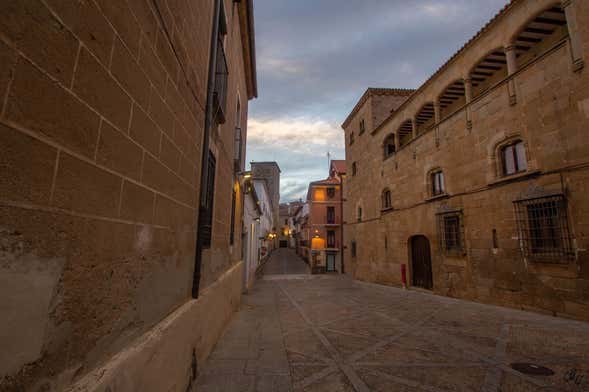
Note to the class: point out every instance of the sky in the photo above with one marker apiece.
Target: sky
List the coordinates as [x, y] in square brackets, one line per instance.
[315, 59]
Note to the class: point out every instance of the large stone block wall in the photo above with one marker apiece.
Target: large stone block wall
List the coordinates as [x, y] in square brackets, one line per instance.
[551, 117]
[102, 107]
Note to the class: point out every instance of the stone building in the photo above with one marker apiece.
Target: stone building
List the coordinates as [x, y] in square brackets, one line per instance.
[475, 184]
[270, 171]
[320, 236]
[122, 133]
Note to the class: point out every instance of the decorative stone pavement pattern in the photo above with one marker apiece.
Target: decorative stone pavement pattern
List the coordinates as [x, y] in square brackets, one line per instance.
[329, 333]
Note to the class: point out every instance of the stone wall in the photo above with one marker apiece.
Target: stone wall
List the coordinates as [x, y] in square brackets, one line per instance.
[551, 117]
[102, 117]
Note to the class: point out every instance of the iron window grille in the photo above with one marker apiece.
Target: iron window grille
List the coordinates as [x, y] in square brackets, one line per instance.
[451, 233]
[221, 76]
[543, 229]
[208, 197]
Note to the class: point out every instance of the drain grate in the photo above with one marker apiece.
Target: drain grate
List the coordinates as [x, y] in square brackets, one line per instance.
[532, 369]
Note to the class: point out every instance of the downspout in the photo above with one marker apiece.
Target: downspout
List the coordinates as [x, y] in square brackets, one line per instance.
[205, 148]
[341, 204]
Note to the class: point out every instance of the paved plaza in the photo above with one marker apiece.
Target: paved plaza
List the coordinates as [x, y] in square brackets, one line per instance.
[330, 333]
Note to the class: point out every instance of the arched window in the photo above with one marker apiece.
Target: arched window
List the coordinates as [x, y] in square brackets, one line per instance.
[437, 182]
[386, 199]
[513, 157]
[389, 146]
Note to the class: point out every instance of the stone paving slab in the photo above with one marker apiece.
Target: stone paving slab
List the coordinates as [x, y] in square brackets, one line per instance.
[330, 333]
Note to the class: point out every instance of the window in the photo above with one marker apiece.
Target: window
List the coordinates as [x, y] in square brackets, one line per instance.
[354, 168]
[237, 153]
[232, 228]
[208, 197]
[386, 199]
[362, 127]
[513, 158]
[330, 192]
[359, 212]
[330, 215]
[389, 146]
[331, 239]
[451, 232]
[543, 229]
[437, 183]
[221, 75]
[351, 138]
[286, 221]
[353, 248]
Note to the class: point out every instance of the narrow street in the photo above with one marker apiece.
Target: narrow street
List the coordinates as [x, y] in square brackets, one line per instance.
[285, 261]
[329, 333]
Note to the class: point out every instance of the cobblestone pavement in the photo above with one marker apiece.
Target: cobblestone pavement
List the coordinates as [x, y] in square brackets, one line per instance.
[285, 261]
[329, 333]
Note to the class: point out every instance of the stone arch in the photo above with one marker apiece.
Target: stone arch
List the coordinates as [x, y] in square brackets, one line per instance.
[547, 26]
[488, 71]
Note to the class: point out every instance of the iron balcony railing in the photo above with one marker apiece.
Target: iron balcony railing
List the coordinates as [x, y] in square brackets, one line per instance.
[220, 91]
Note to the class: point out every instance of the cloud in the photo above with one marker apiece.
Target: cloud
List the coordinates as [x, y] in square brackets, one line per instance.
[300, 148]
[316, 57]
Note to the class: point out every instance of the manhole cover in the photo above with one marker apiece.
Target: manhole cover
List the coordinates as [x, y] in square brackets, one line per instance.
[532, 369]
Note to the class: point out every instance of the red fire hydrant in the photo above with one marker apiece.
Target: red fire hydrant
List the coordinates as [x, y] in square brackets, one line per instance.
[404, 275]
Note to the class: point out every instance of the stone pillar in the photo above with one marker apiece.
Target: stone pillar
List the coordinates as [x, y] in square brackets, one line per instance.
[414, 127]
[511, 69]
[437, 110]
[573, 27]
[468, 98]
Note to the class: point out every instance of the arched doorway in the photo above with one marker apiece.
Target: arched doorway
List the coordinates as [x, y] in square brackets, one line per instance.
[421, 262]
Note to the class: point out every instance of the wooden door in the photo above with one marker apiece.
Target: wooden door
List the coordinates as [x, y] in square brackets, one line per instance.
[421, 262]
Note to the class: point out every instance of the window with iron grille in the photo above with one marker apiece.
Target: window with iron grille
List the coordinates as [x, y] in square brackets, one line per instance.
[451, 232]
[543, 229]
[353, 248]
[330, 192]
[206, 204]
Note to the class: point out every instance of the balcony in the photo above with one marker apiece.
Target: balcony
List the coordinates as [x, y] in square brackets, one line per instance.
[220, 91]
[331, 220]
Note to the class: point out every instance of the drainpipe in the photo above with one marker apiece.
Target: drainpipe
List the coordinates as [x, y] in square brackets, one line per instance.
[341, 223]
[205, 147]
